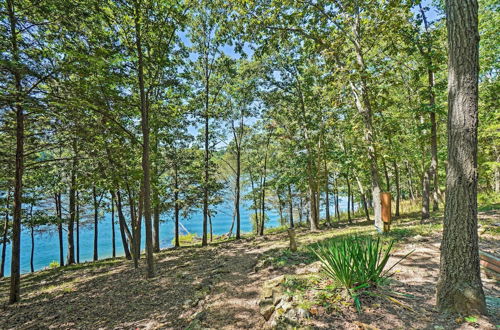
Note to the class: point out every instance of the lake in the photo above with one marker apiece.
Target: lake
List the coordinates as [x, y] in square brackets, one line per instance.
[47, 244]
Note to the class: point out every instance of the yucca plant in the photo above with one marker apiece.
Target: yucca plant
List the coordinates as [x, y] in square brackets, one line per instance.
[355, 263]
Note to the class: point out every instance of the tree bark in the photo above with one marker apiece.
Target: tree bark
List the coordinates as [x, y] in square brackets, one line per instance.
[459, 287]
[96, 223]
[176, 204]
[32, 254]
[433, 166]
[398, 190]
[263, 196]
[122, 224]
[60, 228]
[77, 228]
[336, 192]
[290, 204]
[72, 213]
[156, 225]
[349, 198]
[113, 239]
[15, 270]
[238, 192]
[364, 106]
[5, 232]
[327, 194]
[146, 166]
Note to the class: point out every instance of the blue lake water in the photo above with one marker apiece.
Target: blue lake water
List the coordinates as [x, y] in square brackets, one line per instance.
[47, 244]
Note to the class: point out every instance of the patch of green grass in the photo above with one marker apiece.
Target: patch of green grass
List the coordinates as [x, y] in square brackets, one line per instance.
[188, 239]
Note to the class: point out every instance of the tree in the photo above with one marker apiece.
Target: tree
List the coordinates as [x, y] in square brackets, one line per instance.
[459, 288]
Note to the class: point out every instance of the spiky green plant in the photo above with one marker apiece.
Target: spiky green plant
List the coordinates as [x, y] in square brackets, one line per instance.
[355, 263]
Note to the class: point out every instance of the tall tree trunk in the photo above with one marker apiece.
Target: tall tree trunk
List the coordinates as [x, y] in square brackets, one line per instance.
[364, 106]
[77, 228]
[263, 201]
[146, 166]
[60, 228]
[176, 204]
[459, 287]
[336, 198]
[210, 224]
[156, 225]
[122, 224]
[363, 198]
[327, 194]
[72, 208]
[238, 189]
[410, 182]
[301, 205]
[32, 254]
[425, 214]
[433, 166]
[5, 232]
[113, 238]
[96, 223]
[313, 203]
[386, 174]
[398, 190]
[349, 199]
[280, 209]
[497, 171]
[290, 204]
[15, 270]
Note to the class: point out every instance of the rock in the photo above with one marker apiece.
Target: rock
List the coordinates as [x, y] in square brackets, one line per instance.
[266, 311]
[302, 313]
[286, 306]
[277, 297]
[275, 281]
[266, 292]
[291, 315]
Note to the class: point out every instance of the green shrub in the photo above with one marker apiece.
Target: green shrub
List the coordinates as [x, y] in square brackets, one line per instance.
[355, 263]
[54, 264]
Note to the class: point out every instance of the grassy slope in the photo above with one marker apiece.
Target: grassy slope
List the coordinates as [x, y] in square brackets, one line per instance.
[111, 293]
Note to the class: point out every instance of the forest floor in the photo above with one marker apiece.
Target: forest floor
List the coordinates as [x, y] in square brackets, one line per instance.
[219, 287]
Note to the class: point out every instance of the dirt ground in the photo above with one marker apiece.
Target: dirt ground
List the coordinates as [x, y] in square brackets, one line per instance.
[218, 287]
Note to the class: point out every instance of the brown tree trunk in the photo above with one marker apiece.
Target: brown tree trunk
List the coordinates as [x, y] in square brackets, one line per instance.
[263, 196]
[350, 200]
[146, 166]
[122, 224]
[15, 271]
[113, 238]
[459, 287]
[364, 106]
[77, 228]
[327, 194]
[96, 223]
[398, 190]
[60, 228]
[425, 214]
[290, 204]
[238, 178]
[336, 192]
[156, 225]
[5, 232]
[72, 208]
[176, 205]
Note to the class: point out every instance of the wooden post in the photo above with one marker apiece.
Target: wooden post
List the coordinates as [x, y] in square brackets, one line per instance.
[385, 199]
